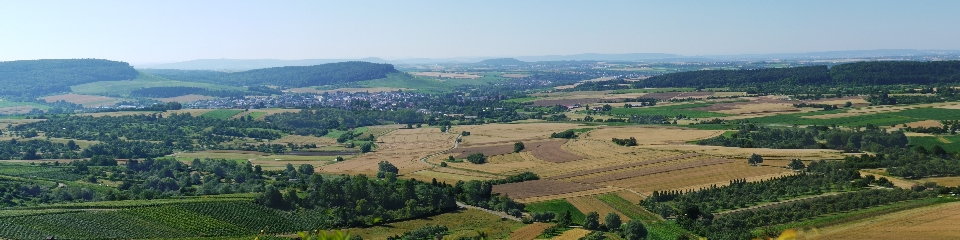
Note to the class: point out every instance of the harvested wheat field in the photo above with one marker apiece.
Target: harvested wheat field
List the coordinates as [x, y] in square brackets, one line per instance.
[651, 135]
[500, 164]
[573, 234]
[509, 133]
[588, 204]
[85, 100]
[943, 181]
[897, 182]
[403, 148]
[545, 150]
[744, 153]
[301, 140]
[529, 232]
[448, 175]
[931, 222]
[719, 174]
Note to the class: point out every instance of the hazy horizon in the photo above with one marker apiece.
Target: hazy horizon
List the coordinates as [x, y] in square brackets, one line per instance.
[174, 31]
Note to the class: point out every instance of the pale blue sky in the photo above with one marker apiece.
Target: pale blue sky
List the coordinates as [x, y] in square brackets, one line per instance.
[166, 31]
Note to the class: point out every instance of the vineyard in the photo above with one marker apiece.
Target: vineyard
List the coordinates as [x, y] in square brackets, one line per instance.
[196, 219]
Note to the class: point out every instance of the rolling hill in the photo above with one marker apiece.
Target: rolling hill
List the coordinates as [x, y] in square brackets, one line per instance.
[292, 76]
[31, 78]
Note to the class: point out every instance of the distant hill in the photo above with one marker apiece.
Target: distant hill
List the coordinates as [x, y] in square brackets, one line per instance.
[860, 73]
[294, 76]
[31, 78]
[502, 61]
[247, 64]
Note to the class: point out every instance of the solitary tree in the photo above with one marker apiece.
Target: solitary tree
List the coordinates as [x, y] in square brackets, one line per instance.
[796, 165]
[848, 104]
[477, 158]
[634, 230]
[592, 221]
[755, 159]
[517, 147]
[564, 219]
[612, 221]
[366, 147]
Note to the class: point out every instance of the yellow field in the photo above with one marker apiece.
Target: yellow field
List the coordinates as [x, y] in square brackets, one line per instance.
[85, 100]
[932, 222]
[573, 234]
[403, 148]
[651, 135]
[943, 181]
[508, 133]
[529, 232]
[698, 177]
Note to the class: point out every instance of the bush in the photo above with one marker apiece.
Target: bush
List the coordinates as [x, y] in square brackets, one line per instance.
[477, 158]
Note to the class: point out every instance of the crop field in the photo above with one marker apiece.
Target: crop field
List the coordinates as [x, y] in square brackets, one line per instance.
[529, 232]
[573, 234]
[744, 153]
[268, 161]
[446, 75]
[85, 100]
[557, 206]
[185, 98]
[653, 170]
[260, 114]
[949, 143]
[221, 113]
[587, 204]
[142, 81]
[500, 164]
[652, 135]
[931, 222]
[943, 181]
[347, 90]
[696, 177]
[508, 133]
[461, 223]
[403, 148]
[537, 188]
[627, 208]
[686, 109]
[887, 117]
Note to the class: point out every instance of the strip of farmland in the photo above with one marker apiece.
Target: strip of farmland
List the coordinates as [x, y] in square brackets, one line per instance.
[538, 188]
[617, 167]
[654, 170]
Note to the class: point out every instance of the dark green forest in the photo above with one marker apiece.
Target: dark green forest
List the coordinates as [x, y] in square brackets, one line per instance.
[32, 78]
[850, 74]
[292, 76]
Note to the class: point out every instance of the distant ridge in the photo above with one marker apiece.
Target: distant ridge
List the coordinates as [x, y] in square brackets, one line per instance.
[247, 64]
[290, 76]
[502, 61]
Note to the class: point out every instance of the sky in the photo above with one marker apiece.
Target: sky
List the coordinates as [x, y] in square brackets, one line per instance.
[171, 30]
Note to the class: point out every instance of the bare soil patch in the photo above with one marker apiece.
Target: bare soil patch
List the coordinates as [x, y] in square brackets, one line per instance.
[541, 187]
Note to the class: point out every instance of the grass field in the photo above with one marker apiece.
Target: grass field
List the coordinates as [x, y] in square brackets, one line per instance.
[142, 81]
[462, 223]
[929, 142]
[878, 119]
[671, 111]
[557, 206]
[221, 113]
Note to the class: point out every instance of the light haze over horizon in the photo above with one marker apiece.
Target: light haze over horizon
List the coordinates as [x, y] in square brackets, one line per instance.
[170, 31]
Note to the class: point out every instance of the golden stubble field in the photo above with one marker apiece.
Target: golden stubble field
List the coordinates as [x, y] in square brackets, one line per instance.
[932, 222]
[403, 148]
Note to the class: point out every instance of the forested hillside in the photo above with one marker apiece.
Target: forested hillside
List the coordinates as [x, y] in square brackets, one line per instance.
[899, 72]
[28, 78]
[293, 76]
[725, 78]
[850, 74]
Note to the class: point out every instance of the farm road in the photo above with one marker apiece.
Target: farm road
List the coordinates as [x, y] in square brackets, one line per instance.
[501, 214]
